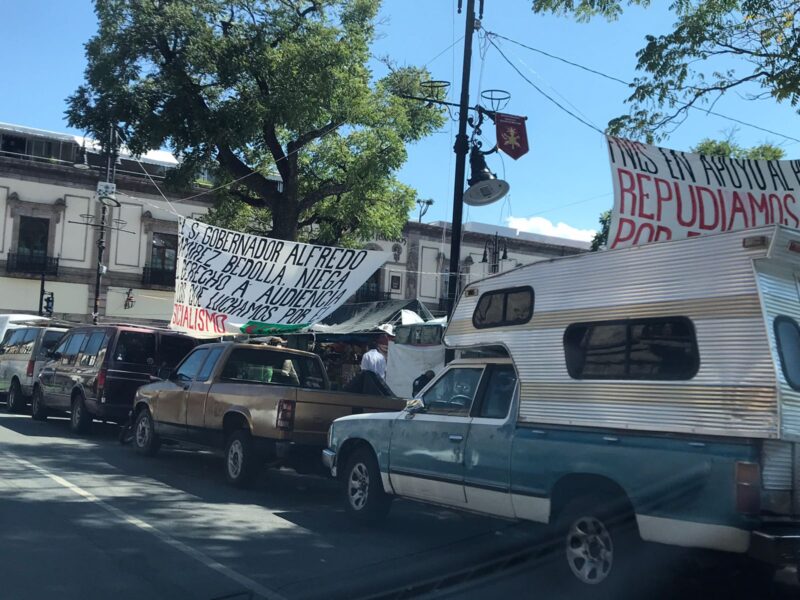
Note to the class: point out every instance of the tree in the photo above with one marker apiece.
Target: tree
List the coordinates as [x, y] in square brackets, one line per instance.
[716, 46]
[275, 96]
[600, 239]
[727, 147]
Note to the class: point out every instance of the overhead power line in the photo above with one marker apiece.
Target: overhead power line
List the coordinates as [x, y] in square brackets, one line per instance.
[629, 84]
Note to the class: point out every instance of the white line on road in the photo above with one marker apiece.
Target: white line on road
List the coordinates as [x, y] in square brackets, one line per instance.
[209, 562]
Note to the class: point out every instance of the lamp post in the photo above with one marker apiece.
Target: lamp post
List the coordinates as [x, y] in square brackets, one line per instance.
[492, 254]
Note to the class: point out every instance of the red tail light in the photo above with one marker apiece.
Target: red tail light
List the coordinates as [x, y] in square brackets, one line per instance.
[29, 371]
[748, 488]
[101, 379]
[285, 417]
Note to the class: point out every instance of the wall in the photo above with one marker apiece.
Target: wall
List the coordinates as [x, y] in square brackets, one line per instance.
[22, 295]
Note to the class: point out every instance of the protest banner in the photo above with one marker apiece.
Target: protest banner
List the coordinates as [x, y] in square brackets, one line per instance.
[232, 282]
[662, 194]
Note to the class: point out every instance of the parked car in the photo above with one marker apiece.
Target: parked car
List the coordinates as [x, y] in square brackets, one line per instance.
[652, 394]
[10, 321]
[261, 404]
[22, 356]
[95, 371]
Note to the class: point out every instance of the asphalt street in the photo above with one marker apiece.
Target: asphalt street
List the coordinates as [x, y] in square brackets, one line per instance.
[84, 517]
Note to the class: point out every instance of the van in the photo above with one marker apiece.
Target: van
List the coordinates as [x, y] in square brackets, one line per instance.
[95, 371]
[22, 356]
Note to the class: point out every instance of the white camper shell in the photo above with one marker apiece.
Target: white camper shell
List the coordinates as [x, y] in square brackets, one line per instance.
[734, 290]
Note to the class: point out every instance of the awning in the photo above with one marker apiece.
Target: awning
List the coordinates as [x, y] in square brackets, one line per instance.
[364, 317]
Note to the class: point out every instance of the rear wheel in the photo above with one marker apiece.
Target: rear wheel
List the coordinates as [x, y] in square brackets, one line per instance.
[365, 498]
[598, 545]
[241, 461]
[145, 439]
[14, 400]
[39, 411]
[80, 419]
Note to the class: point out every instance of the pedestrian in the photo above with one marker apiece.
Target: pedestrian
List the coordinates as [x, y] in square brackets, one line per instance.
[421, 381]
[375, 359]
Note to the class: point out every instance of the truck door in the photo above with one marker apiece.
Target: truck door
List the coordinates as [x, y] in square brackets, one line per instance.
[427, 448]
[172, 402]
[487, 474]
[198, 392]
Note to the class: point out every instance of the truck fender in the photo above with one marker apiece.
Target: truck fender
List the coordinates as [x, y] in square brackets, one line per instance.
[234, 417]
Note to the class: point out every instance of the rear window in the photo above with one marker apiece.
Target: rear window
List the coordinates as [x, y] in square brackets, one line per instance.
[49, 341]
[787, 336]
[248, 365]
[172, 349]
[135, 347]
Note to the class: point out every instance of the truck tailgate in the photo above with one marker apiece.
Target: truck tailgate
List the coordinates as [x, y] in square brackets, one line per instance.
[316, 410]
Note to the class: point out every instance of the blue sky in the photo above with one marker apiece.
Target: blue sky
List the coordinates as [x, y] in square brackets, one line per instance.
[565, 178]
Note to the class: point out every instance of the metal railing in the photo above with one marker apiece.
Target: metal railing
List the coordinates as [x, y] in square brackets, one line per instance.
[32, 264]
[158, 276]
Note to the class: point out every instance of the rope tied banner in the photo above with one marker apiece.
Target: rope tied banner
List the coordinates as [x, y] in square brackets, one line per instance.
[662, 194]
[232, 282]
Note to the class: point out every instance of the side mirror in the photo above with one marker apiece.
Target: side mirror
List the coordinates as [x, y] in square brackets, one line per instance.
[54, 355]
[415, 406]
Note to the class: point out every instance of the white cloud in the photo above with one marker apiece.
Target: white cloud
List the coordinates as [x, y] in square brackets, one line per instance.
[547, 227]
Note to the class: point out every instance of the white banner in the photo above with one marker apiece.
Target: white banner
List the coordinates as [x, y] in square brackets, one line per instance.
[232, 282]
[662, 194]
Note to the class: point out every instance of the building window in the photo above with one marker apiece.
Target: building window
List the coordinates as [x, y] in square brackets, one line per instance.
[33, 236]
[663, 348]
[165, 251]
[13, 145]
[512, 306]
[787, 335]
[395, 282]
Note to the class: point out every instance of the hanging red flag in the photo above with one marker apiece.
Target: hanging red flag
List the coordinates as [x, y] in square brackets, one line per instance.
[512, 137]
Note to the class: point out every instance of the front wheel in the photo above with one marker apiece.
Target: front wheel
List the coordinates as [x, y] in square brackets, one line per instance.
[241, 461]
[365, 498]
[14, 399]
[39, 411]
[145, 439]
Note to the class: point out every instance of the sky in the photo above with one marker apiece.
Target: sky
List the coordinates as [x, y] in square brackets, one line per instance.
[558, 188]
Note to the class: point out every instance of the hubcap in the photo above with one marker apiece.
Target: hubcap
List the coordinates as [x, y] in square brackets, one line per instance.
[235, 453]
[142, 432]
[590, 551]
[358, 486]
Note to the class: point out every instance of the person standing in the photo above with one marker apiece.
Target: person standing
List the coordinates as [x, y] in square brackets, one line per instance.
[375, 359]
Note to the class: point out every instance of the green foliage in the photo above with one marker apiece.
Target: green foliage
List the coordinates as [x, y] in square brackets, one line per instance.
[274, 95]
[691, 66]
[600, 239]
[731, 149]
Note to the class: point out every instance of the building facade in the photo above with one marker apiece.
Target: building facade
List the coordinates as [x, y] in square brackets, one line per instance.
[50, 229]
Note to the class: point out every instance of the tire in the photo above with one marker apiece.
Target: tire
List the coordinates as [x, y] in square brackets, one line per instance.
[15, 402]
[145, 438]
[364, 497]
[597, 546]
[39, 411]
[80, 420]
[241, 461]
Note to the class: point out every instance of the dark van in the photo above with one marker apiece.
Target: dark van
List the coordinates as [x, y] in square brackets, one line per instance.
[95, 371]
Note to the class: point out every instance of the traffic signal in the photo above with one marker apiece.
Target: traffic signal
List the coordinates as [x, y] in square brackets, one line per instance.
[49, 300]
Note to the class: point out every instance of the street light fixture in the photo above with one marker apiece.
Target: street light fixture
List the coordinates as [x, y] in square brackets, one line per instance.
[484, 186]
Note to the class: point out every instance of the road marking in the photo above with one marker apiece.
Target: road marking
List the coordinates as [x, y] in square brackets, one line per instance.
[209, 562]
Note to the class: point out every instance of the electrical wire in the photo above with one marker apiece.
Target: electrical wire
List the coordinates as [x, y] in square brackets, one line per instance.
[629, 84]
[542, 92]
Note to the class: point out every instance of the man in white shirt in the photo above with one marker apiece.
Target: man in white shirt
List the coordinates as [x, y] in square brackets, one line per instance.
[375, 359]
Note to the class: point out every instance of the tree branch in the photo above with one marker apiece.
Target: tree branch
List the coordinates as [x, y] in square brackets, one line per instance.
[315, 134]
[322, 192]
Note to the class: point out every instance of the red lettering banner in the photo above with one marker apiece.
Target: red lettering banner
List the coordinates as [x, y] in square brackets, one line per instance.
[662, 194]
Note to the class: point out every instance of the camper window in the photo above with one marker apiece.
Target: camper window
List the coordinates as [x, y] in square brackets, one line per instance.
[645, 349]
[787, 334]
[512, 306]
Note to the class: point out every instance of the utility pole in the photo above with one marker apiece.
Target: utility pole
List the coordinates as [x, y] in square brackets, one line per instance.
[41, 290]
[101, 240]
[461, 149]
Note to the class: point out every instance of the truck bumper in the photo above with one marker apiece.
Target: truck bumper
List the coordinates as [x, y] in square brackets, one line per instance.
[329, 460]
[777, 544]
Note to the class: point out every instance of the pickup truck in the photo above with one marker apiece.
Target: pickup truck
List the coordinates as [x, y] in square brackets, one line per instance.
[651, 394]
[263, 405]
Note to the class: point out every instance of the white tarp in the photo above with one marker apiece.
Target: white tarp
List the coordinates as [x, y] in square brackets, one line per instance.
[662, 194]
[406, 362]
[232, 282]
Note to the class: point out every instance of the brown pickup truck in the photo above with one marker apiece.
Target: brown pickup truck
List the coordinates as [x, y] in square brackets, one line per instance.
[263, 405]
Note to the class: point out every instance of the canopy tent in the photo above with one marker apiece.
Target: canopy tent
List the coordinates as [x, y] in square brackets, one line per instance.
[365, 317]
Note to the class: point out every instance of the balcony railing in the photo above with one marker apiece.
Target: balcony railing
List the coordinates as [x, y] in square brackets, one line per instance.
[158, 276]
[370, 293]
[32, 264]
